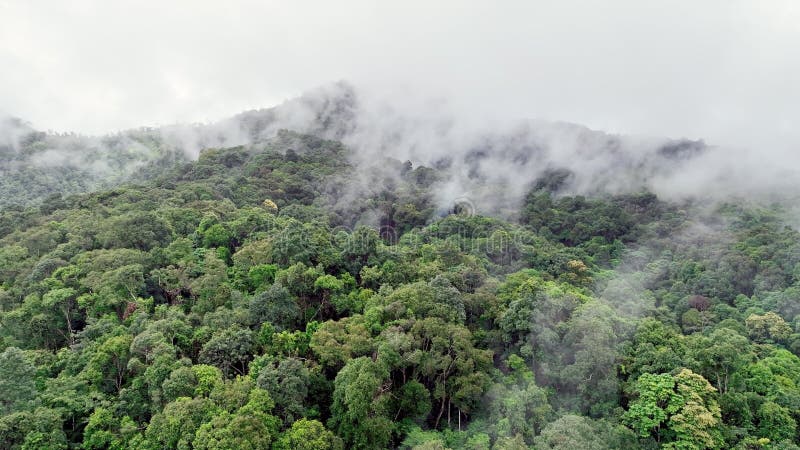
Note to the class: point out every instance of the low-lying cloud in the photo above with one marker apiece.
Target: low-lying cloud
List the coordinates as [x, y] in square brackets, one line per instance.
[490, 161]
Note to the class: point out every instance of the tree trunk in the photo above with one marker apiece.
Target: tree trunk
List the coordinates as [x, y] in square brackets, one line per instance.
[448, 413]
[441, 411]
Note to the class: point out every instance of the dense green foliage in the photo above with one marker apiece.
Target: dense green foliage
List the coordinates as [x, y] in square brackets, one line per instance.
[38, 167]
[253, 300]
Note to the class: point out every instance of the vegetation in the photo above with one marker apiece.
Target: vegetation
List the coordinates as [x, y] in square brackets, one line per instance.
[253, 300]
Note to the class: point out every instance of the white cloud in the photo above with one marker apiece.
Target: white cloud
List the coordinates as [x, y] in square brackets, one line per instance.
[719, 69]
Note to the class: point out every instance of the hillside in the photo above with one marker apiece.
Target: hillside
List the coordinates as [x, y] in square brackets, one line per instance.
[493, 164]
[288, 293]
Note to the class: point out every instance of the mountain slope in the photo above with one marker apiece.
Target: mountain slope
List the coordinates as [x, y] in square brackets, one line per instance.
[472, 159]
[279, 293]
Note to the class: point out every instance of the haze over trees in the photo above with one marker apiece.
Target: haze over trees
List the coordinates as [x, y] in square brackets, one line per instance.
[285, 294]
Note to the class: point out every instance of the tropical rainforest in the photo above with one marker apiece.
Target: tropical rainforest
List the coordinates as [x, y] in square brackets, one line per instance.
[258, 296]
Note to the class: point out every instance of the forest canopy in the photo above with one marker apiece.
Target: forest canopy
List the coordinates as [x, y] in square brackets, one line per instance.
[252, 299]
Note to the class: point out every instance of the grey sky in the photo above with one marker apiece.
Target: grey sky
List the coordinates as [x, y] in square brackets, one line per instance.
[722, 70]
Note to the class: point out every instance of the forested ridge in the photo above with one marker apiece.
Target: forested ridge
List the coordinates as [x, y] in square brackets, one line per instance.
[278, 296]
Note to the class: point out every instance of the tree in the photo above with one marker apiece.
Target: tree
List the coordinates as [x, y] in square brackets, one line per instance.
[655, 348]
[73, 398]
[141, 230]
[721, 355]
[211, 288]
[441, 356]
[337, 342]
[413, 401]
[63, 300]
[109, 363]
[534, 318]
[510, 443]
[29, 430]
[360, 397]
[577, 432]
[114, 289]
[697, 424]
[276, 306]
[182, 382]
[261, 275]
[699, 302]
[229, 350]
[591, 359]
[216, 236]
[106, 431]
[17, 383]
[12, 260]
[361, 245]
[768, 327]
[305, 243]
[299, 279]
[438, 298]
[287, 383]
[518, 410]
[680, 410]
[775, 422]
[249, 428]
[308, 435]
[656, 401]
[174, 428]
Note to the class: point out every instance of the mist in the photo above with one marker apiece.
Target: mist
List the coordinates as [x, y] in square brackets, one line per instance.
[493, 162]
[489, 162]
[721, 71]
[688, 101]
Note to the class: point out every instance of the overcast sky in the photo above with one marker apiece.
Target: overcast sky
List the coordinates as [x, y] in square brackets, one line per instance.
[722, 70]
